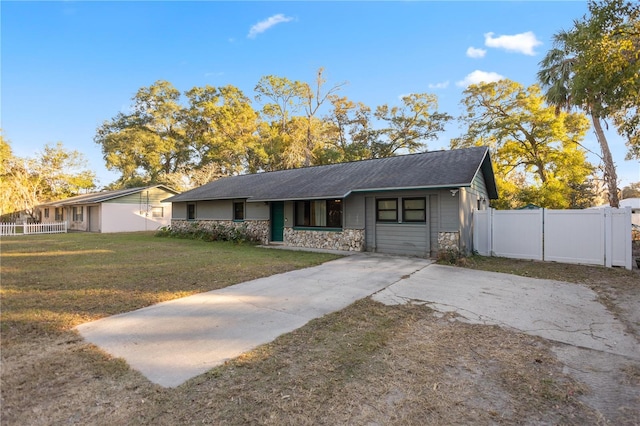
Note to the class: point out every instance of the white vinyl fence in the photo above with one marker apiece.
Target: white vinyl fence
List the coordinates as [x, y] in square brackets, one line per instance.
[33, 228]
[592, 236]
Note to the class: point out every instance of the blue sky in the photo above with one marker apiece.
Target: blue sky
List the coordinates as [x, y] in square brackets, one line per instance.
[69, 66]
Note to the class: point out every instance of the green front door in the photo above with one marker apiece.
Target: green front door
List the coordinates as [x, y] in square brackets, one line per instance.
[277, 221]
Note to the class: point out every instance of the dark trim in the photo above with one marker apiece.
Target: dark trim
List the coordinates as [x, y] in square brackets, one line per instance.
[316, 228]
[378, 210]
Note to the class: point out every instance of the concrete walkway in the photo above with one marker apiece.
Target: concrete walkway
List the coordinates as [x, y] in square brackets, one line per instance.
[174, 341]
[558, 311]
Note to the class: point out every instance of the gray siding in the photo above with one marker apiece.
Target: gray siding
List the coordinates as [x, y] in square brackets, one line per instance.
[214, 210]
[179, 211]
[370, 224]
[413, 239]
[434, 223]
[468, 203]
[402, 238]
[449, 211]
[354, 212]
[288, 214]
[256, 211]
[479, 184]
[470, 200]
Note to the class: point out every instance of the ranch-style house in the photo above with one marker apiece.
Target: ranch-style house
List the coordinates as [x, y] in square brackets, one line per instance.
[416, 204]
[123, 210]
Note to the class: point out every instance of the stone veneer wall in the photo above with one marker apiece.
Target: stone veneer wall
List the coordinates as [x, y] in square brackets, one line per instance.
[258, 229]
[347, 239]
[448, 241]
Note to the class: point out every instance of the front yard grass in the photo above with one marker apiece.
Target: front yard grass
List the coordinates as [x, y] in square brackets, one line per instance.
[51, 283]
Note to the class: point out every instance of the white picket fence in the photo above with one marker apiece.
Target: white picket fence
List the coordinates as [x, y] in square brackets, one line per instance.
[592, 236]
[32, 228]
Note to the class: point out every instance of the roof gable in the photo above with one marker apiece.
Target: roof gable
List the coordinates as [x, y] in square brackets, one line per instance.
[99, 197]
[437, 169]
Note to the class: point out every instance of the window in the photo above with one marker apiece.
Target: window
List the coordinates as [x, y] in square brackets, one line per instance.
[319, 213]
[157, 211]
[58, 213]
[77, 214]
[191, 211]
[387, 210]
[238, 211]
[46, 213]
[414, 210]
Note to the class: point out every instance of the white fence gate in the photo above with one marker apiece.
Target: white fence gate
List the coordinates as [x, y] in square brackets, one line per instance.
[592, 236]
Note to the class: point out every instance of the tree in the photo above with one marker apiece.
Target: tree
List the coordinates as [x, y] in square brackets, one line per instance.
[348, 132]
[595, 67]
[150, 142]
[409, 126]
[221, 126]
[631, 191]
[536, 152]
[55, 173]
[313, 99]
[290, 105]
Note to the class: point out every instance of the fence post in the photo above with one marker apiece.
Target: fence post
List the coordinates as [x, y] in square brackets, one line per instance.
[608, 240]
[627, 238]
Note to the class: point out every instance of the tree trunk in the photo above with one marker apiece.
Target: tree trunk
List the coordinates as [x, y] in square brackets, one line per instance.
[610, 175]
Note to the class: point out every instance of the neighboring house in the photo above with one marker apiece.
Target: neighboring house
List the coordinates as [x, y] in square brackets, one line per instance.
[634, 203]
[414, 204]
[124, 210]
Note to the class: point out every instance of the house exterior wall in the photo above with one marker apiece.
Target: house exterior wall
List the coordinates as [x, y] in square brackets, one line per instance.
[447, 227]
[347, 239]
[77, 225]
[289, 218]
[220, 210]
[256, 211]
[179, 211]
[449, 211]
[471, 199]
[434, 223]
[95, 218]
[116, 217]
[214, 210]
[62, 211]
[353, 213]
[142, 211]
[417, 239]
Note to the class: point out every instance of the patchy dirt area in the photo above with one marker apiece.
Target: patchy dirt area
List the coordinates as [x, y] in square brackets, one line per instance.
[368, 364]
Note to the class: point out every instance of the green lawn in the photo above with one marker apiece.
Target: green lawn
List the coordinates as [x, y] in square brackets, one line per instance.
[51, 283]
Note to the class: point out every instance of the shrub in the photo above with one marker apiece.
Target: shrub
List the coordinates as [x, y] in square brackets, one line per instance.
[209, 232]
[451, 257]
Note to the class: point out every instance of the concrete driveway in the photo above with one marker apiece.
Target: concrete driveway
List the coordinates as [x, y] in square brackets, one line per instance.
[558, 311]
[174, 341]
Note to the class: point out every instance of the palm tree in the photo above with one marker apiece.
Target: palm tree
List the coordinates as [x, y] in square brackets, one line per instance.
[558, 77]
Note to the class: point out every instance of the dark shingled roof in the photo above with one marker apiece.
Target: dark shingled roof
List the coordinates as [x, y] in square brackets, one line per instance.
[99, 197]
[437, 169]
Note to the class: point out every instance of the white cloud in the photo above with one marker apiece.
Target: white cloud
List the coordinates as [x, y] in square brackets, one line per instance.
[521, 43]
[480, 77]
[474, 52]
[442, 85]
[263, 26]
